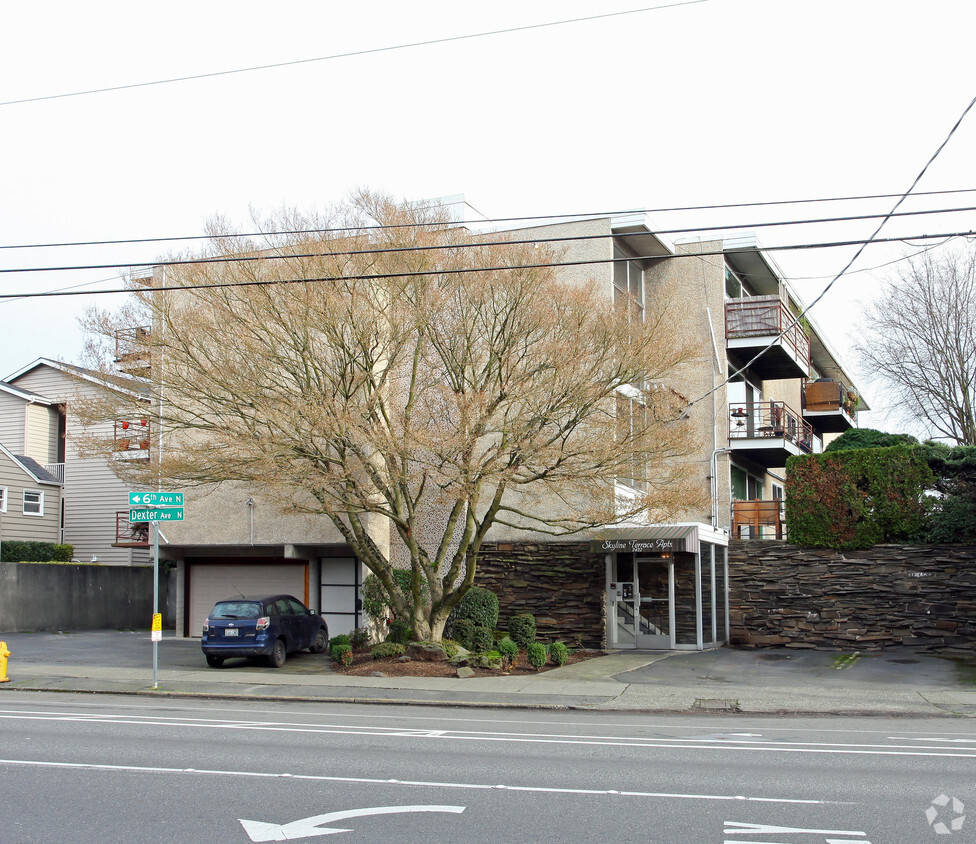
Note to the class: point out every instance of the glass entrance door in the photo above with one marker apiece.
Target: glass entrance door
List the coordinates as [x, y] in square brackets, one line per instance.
[655, 602]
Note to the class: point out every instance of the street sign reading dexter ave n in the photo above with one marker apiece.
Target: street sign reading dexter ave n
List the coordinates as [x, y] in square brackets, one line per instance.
[167, 514]
[155, 499]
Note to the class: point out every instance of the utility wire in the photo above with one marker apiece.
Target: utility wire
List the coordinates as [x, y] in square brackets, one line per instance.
[872, 239]
[352, 53]
[524, 219]
[267, 255]
[498, 268]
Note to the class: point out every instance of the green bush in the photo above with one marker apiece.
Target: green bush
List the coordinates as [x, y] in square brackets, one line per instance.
[359, 638]
[341, 639]
[387, 649]
[341, 654]
[522, 629]
[953, 519]
[451, 648]
[537, 654]
[14, 551]
[558, 653]
[482, 639]
[857, 498]
[400, 633]
[463, 633]
[508, 650]
[868, 438]
[480, 605]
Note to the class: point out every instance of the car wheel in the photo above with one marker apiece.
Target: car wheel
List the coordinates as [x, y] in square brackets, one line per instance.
[321, 642]
[277, 656]
[214, 661]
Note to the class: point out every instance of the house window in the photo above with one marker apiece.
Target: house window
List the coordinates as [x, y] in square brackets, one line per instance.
[33, 502]
[628, 285]
[734, 288]
[3, 499]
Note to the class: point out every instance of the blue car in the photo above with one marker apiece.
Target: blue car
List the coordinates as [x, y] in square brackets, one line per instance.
[271, 627]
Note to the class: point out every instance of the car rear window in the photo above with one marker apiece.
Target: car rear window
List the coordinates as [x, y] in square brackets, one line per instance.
[237, 609]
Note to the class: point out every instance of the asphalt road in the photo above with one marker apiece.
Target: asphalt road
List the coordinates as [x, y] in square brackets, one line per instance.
[78, 768]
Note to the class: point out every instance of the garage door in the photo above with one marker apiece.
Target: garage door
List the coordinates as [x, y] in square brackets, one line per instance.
[212, 582]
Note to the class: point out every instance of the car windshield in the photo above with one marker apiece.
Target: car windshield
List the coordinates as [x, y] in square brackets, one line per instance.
[236, 609]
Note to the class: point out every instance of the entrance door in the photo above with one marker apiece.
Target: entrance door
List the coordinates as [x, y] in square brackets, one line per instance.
[655, 588]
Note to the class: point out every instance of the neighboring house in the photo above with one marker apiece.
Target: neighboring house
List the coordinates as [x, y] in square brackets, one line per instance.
[664, 586]
[30, 499]
[36, 419]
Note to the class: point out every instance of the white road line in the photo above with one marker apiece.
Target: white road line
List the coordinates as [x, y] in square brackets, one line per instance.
[711, 743]
[145, 769]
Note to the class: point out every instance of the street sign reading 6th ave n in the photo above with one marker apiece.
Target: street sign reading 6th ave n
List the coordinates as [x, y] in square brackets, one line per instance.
[155, 499]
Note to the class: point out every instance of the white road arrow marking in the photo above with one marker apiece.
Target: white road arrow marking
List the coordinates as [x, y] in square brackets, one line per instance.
[309, 827]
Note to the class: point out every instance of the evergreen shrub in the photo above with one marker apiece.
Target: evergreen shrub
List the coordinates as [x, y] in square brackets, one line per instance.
[522, 629]
[536, 652]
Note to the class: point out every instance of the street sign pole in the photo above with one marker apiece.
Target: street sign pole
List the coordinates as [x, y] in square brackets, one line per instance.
[155, 643]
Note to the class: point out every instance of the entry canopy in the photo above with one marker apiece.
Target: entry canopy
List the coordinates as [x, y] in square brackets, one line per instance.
[656, 539]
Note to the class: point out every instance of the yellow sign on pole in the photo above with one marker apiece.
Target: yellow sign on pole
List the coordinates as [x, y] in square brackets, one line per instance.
[157, 627]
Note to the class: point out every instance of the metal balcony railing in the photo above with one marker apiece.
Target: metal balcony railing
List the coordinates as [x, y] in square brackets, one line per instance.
[772, 419]
[130, 534]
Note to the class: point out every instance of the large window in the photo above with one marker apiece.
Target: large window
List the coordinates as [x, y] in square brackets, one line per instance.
[631, 421]
[628, 285]
[33, 502]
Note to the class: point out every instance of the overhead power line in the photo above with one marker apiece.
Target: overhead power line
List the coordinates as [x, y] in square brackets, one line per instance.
[269, 255]
[497, 268]
[366, 52]
[555, 218]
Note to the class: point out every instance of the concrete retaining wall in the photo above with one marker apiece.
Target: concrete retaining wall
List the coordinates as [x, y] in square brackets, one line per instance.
[797, 597]
[38, 596]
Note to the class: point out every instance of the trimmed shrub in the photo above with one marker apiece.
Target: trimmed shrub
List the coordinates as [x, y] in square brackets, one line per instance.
[537, 654]
[522, 629]
[953, 519]
[400, 632]
[558, 653]
[480, 605]
[482, 639]
[341, 639]
[14, 551]
[463, 633]
[388, 649]
[359, 638]
[857, 498]
[341, 654]
[508, 650]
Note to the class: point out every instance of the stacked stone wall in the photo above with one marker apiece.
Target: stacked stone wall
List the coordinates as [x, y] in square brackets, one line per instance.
[888, 595]
[560, 583]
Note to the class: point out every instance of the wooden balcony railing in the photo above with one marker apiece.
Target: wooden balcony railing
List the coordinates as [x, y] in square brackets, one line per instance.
[130, 534]
[770, 419]
[825, 396]
[132, 350]
[765, 316]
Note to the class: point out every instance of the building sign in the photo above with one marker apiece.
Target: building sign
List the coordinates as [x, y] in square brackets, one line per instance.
[660, 545]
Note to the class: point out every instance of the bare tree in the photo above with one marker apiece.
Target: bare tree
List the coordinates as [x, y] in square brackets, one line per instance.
[383, 367]
[919, 342]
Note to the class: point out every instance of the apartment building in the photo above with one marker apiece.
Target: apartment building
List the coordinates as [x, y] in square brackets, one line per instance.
[763, 386]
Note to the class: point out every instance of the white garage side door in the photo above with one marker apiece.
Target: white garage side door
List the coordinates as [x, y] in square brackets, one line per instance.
[210, 583]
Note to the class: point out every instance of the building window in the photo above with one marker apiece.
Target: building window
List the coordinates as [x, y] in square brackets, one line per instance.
[631, 421]
[33, 502]
[3, 499]
[734, 287]
[628, 285]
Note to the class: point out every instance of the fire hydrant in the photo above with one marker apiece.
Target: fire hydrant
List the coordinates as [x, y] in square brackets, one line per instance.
[4, 653]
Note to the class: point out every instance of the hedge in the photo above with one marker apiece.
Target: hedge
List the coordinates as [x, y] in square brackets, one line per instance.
[12, 551]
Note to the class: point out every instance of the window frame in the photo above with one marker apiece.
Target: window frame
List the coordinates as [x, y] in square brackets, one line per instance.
[623, 297]
[4, 496]
[40, 502]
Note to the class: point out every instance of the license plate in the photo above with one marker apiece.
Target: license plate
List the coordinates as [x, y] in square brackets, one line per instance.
[231, 631]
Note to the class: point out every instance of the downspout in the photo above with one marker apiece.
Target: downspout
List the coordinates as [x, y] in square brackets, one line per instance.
[715, 447]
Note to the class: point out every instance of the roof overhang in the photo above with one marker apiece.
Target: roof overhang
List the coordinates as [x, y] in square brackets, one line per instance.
[637, 231]
[655, 539]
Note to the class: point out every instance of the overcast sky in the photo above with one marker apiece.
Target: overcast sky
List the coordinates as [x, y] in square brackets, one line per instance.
[701, 103]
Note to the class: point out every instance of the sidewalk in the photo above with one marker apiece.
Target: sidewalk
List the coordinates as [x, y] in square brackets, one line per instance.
[727, 680]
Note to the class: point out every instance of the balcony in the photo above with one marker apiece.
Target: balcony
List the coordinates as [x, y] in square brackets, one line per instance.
[56, 469]
[829, 406]
[132, 350]
[130, 534]
[754, 322]
[769, 432]
[761, 519]
[132, 440]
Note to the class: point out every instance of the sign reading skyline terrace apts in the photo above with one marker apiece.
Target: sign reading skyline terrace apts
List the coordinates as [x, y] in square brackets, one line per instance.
[660, 545]
[155, 499]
